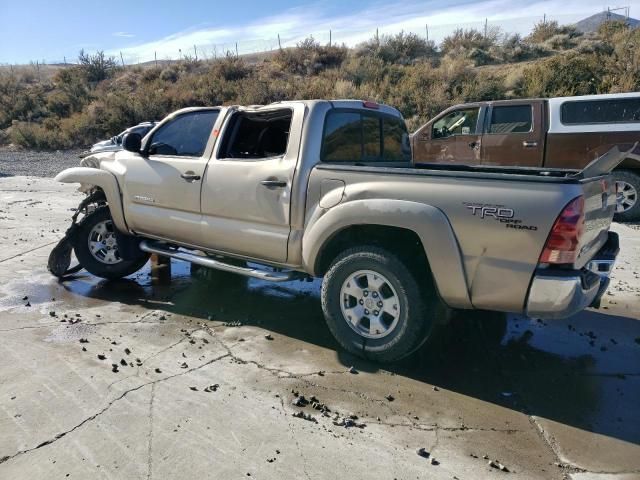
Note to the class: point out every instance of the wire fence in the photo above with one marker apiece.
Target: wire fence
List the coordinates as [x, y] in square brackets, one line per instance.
[162, 52]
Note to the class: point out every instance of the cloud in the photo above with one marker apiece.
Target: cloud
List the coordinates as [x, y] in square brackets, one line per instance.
[391, 17]
[123, 34]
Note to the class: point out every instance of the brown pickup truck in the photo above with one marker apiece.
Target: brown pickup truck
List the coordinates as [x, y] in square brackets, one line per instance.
[564, 132]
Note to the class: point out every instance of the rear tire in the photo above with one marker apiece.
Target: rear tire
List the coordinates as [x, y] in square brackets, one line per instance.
[97, 251]
[627, 203]
[375, 307]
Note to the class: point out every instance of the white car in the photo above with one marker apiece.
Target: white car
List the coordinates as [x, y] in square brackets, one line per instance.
[114, 144]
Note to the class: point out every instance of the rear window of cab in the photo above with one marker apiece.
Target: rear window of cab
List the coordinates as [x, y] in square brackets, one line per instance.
[354, 136]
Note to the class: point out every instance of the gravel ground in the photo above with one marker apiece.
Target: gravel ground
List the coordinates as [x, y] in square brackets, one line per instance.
[15, 162]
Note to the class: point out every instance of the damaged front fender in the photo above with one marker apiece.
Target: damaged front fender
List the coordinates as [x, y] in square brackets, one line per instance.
[104, 180]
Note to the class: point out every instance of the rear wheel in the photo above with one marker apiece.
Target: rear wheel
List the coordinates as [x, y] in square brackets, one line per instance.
[375, 307]
[97, 250]
[627, 201]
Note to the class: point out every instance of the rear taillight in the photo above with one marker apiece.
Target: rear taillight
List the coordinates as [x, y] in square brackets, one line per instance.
[563, 241]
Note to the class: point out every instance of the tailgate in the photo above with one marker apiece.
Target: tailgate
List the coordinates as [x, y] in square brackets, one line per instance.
[599, 193]
[599, 206]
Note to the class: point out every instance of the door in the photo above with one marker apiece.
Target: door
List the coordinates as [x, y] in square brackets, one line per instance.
[452, 138]
[162, 187]
[514, 135]
[246, 193]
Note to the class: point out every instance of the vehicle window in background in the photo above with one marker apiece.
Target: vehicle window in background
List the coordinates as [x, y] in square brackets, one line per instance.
[185, 136]
[458, 122]
[511, 119]
[619, 110]
[366, 138]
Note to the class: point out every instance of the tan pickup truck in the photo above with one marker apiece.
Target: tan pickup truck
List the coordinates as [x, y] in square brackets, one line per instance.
[564, 132]
[326, 189]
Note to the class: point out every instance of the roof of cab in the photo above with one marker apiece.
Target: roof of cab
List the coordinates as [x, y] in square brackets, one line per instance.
[346, 103]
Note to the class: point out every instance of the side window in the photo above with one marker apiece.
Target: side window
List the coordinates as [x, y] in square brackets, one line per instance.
[184, 136]
[620, 110]
[458, 122]
[257, 135]
[511, 119]
[364, 137]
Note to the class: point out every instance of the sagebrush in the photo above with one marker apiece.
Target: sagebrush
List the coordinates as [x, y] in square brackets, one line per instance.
[96, 99]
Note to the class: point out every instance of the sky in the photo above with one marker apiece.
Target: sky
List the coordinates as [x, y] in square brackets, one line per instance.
[50, 32]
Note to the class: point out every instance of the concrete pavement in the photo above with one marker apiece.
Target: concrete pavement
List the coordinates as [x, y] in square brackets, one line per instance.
[200, 392]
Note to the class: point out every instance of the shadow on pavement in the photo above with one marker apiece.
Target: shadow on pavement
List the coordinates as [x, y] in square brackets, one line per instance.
[572, 371]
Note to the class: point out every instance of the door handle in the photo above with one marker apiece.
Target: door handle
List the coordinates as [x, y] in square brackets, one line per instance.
[526, 144]
[190, 176]
[273, 183]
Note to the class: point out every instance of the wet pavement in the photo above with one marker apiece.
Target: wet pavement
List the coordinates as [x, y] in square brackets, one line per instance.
[204, 376]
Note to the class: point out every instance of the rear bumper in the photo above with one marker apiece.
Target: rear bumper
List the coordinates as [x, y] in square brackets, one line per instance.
[562, 293]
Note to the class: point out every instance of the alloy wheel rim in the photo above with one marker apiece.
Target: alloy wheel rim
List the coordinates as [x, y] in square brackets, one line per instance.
[102, 243]
[370, 304]
[626, 197]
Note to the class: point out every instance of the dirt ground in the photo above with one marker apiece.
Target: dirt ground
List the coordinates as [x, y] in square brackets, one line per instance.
[207, 378]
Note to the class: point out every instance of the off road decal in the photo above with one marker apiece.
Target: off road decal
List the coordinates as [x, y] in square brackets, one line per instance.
[498, 213]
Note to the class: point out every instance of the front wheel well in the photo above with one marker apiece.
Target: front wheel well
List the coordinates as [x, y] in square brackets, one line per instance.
[404, 243]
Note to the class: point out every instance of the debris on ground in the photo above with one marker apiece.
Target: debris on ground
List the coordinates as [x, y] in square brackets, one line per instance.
[127, 351]
[123, 362]
[157, 370]
[102, 356]
[347, 422]
[305, 416]
[232, 324]
[390, 398]
[84, 340]
[497, 465]
[422, 452]
[268, 336]
[195, 389]
[114, 368]
[300, 401]
[353, 370]
[212, 388]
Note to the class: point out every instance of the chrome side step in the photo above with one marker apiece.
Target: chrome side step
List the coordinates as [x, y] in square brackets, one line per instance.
[164, 250]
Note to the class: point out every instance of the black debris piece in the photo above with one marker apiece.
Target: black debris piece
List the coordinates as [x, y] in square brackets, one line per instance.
[422, 452]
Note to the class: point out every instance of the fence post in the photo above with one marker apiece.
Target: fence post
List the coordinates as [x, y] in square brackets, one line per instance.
[279, 44]
[155, 56]
[236, 49]
[195, 51]
[121, 58]
[329, 37]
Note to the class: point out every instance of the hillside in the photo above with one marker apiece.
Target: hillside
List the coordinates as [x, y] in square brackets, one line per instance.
[75, 105]
[592, 24]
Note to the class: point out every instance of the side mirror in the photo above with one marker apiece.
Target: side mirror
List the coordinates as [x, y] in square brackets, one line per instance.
[132, 142]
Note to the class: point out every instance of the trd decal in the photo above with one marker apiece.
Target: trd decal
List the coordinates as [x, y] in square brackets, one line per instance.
[499, 213]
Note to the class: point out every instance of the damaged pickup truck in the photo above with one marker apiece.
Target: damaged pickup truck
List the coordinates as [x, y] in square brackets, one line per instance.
[327, 189]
